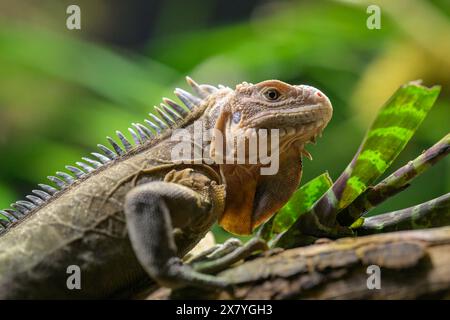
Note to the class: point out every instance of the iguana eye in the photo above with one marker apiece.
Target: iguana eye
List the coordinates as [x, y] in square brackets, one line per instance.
[271, 94]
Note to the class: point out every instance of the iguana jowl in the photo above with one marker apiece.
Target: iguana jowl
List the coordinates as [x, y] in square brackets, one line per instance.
[134, 211]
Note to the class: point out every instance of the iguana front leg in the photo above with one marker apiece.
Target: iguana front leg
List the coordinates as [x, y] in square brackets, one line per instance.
[153, 211]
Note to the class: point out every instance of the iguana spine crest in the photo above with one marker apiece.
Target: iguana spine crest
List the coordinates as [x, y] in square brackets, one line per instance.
[171, 116]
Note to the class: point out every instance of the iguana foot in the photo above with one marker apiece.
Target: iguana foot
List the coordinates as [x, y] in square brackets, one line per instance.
[216, 251]
[176, 274]
[226, 255]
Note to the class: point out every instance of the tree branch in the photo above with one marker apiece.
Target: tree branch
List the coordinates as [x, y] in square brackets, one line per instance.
[414, 264]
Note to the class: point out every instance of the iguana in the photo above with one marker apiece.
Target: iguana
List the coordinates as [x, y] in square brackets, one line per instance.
[133, 212]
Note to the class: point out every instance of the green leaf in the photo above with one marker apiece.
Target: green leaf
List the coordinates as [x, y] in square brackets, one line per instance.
[303, 199]
[358, 223]
[394, 126]
[299, 203]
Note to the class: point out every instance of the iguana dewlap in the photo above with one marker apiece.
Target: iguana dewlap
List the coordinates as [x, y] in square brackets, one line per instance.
[133, 210]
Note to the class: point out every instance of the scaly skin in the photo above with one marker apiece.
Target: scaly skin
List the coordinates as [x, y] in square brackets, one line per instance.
[84, 224]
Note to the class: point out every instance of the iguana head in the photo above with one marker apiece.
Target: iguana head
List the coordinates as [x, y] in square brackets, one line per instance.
[299, 112]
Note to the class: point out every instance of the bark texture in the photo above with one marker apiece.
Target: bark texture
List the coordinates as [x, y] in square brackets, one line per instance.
[413, 264]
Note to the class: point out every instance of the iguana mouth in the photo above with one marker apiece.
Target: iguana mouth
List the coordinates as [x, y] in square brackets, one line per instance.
[289, 137]
[305, 132]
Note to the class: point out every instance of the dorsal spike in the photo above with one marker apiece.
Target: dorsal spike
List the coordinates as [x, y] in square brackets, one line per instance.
[94, 163]
[7, 214]
[175, 116]
[42, 194]
[60, 183]
[34, 199]
[85, 166]
[48, 189]
[102, 158]
[142, 135]
[188, 99]
[76, 171]
[165, 116]
[26, 204]
[66, 177]
[136, 139]
[115, 146]
[127, 145]
[158, 121]
[209, 88]
[108, 152]
[19, 208]
[14, 213]
[153, 126]
[196, 87]
[146, 130]
[175, 106]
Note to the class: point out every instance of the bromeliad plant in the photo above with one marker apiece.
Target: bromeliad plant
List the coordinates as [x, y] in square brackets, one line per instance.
[321, 208]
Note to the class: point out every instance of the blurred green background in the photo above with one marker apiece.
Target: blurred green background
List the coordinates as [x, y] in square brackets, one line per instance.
[62, 91]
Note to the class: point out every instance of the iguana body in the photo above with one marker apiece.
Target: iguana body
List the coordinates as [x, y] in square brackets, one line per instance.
[163, 207]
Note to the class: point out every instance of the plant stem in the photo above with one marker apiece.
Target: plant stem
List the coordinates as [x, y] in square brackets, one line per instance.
[433, 213]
